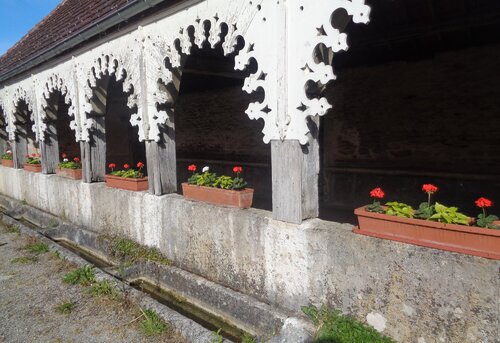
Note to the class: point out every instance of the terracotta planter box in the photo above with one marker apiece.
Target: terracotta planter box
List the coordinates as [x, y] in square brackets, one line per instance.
[451, 237]
[8, 163]
[75, 174]
[128, 184]
[35, 168]
[218, 196]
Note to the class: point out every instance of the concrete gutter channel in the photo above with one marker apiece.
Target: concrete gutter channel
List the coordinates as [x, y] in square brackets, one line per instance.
[238, 310]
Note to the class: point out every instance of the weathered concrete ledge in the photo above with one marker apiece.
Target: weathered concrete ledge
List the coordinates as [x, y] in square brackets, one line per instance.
[411, 293]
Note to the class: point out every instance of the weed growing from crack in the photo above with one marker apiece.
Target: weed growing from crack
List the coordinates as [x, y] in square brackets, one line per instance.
[65, 307]
[25, 259]
[129, 251]
[152, 324]
[56, 255]
[217, 337]
[82, 276]
[335, 327]
[247, 338]
[103, 289]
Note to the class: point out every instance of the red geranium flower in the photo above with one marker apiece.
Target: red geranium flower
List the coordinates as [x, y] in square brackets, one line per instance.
[192, 168]
[112, 166]
[237, 169]
[377, 193]
[126, 166]
[429, 188]
[140, 164]
[64, 155]
[76, 159]
[483, 202]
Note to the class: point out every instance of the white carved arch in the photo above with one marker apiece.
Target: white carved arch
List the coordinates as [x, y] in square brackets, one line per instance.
[23, 92]
[212, 30]
[44, 89]
[313, 27]
[112, 59]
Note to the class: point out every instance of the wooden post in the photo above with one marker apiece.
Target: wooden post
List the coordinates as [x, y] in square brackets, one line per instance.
[161, 158]
[94, 153]
[19, 150]
[295, 170]
[50, 150]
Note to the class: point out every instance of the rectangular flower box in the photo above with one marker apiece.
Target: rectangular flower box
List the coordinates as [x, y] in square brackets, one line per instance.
[75, 174]
[35, 168]
[218, 196]
[8, 163]
[129, 184]
[451, 237]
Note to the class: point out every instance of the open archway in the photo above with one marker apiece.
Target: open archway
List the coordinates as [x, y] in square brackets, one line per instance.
[112, 139]
[25, 142]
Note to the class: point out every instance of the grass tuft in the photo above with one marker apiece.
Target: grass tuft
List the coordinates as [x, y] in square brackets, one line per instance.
[247, 338]
[37, 248]
[333, 327]
[217, 337]
[103, 289]
[82, 276]
[12, 229]
[152, 324]
[129, 251]
[65, 307]
[24, 259]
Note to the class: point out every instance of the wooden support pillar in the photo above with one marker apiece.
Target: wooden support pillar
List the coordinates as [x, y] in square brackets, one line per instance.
[161, 158]
[295, 170]
[50, 149]
[94, 153]
[20, 149]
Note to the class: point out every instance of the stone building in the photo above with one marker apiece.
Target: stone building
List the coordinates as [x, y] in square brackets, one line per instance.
[319, 101]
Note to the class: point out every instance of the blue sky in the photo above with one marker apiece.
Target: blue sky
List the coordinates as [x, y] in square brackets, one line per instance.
[17, 17]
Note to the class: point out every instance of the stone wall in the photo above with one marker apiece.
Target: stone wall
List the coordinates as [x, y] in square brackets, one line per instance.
[415, 294]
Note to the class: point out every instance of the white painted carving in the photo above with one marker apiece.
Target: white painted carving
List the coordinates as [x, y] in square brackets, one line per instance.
[281, 37]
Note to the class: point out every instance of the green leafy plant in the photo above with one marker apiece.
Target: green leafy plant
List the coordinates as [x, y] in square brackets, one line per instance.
[399, 209]
[334, 327]
[217, 337]
[67, 164]
[7, 155]
[65, 307]
[449, 215]
[127, 172]
[82, 276]
[152, 324]
[425, 209]
[12, 229]
[33, 159]
[224, 182]
[208, 179]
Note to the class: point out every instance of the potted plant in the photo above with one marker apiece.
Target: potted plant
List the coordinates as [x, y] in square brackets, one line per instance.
[7, 160]
[218, 190]
[70, 169]
[128, 178]
[432, 225]
[33, 163]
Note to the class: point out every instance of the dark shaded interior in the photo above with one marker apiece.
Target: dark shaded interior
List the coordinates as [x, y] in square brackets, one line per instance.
[25, 137]
[416, 101]
[212, 128]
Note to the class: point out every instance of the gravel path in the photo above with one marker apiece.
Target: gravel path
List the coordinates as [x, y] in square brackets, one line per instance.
[31, 291]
